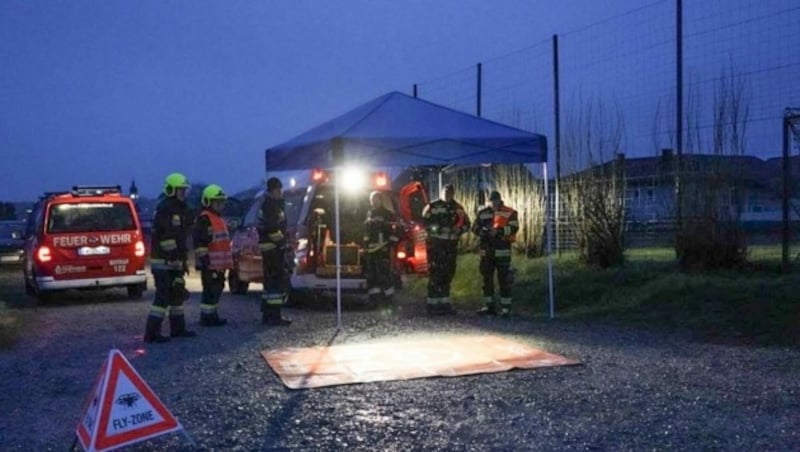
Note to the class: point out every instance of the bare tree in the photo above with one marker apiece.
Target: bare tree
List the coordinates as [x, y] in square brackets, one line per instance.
[595, 191]
[713, 235]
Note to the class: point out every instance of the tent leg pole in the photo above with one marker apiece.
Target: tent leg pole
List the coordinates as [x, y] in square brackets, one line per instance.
[338, 253]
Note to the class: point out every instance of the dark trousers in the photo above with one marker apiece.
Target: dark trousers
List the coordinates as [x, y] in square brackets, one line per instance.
[213, 285]
[166, 293]
[378, 270]
[490, 265]
[275, 278]
[169, 297]
[441, 267]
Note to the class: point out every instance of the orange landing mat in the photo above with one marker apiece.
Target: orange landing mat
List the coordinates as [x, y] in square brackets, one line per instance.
[403, 359]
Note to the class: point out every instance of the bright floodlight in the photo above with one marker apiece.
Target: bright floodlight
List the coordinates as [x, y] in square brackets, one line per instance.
[352, 179]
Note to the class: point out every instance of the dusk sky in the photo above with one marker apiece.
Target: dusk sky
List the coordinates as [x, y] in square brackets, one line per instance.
[103, 92]
[109, 91]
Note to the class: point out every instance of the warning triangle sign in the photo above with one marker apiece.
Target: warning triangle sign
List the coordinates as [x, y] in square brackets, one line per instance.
[122, 409]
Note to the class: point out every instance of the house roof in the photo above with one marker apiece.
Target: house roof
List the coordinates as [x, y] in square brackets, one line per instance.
[748, 168]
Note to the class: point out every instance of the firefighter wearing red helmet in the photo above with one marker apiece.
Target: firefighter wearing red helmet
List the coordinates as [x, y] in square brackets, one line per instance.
[213, 254]
[445, 221]
[168, 256]
[273, 244]
[496, 227]
[379, 241]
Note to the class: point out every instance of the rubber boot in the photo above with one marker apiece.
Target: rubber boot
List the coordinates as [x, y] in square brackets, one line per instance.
[177, 327]
[212, 320]
[152, 331]
[274, 317]
[265, 313]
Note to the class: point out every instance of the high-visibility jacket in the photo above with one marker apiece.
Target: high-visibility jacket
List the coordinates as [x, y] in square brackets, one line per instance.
[503, 220]
[214, 242]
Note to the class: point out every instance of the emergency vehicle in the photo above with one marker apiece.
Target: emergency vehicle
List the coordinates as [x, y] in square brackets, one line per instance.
[87, 238]
[311, 225]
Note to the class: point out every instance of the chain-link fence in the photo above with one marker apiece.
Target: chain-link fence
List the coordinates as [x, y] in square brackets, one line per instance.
[611, 89]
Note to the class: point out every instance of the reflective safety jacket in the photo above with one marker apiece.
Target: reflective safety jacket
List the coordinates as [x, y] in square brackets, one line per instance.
[168, 248]
[497, 228]
[212, 243]
[379, 229]
[272, 224]
[445, 220]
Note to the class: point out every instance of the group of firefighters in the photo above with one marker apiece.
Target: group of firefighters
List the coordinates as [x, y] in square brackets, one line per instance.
[445, 220]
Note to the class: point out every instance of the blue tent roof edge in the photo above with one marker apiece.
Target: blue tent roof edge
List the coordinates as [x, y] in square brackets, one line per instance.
[509, 144]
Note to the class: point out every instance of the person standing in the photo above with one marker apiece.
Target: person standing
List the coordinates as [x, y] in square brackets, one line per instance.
[273, 242]
[212, 253]
[168, 256]
[496, 227]
[379, 241]
[445, 221]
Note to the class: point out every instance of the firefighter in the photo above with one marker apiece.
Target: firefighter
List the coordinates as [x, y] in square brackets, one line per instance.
[445, 221]
[168, 255]
[273, 244]
[496, 227]
[379, 241]
[212, 253]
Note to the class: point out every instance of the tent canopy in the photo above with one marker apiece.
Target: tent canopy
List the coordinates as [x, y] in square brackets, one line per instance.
[399, 130]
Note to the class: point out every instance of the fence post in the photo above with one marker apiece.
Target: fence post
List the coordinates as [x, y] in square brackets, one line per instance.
[557, 133]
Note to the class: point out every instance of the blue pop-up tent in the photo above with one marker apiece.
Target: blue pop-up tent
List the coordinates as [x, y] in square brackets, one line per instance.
[397, 130]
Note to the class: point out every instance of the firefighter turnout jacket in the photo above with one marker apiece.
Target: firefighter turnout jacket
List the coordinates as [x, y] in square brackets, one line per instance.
[272, 225]
[445, 220]
[212, 243]
[168, 250]
[379, 230]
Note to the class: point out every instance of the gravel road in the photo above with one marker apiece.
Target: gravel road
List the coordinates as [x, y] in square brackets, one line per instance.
[634, 391]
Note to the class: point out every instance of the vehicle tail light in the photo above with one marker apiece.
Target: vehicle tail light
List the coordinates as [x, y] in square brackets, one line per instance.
[139, 250]
[43, 254]
[401, 254]
[381, 180]
[317, 175]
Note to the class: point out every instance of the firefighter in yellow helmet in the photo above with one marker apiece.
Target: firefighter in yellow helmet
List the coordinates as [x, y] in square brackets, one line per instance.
[212, 253]
[496, 228]
[273, 243]
[168, 255]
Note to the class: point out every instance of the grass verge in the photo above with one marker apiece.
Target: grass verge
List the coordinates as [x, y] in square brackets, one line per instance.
[758, 305]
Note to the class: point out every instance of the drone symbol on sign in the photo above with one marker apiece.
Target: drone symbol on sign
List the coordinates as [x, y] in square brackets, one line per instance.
[128, 400]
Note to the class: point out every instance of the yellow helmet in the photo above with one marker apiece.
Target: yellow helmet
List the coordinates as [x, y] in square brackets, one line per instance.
[175, 181]
[213, 192]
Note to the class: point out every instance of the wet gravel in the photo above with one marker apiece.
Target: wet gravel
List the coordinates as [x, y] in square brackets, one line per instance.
[634, 391]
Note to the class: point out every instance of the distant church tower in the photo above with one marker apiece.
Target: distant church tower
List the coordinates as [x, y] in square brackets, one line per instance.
[133, 191]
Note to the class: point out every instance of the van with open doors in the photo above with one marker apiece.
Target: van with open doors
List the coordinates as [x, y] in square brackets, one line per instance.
[313, 234]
